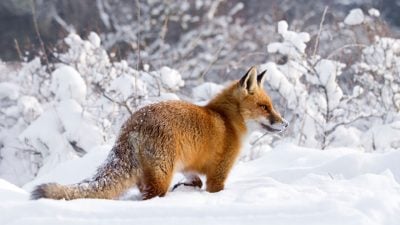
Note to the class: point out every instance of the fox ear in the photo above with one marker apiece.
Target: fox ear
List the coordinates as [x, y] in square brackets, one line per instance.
[249, 81]
[260, 78]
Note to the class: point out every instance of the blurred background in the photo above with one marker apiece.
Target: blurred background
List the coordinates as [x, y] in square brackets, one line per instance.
[187, 35]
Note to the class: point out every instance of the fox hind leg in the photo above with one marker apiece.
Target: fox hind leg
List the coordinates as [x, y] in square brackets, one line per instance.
[192, 180]
[155, 182]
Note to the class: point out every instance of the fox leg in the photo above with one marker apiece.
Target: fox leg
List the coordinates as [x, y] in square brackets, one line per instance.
[155, 182]
[217, 175]
[215, 183]
[192, 180]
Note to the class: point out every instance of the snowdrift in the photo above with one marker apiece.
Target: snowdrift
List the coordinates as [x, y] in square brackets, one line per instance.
[287, 185]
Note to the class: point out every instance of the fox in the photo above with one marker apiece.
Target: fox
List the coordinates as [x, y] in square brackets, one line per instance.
[176, 136]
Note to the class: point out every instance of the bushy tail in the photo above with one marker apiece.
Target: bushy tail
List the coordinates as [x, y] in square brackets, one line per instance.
[111, 180]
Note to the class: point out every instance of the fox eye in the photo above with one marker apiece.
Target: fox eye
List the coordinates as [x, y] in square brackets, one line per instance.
[264, 107]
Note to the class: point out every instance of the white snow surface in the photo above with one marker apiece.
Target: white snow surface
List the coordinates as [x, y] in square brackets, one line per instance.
[355, 17]
[287, 185]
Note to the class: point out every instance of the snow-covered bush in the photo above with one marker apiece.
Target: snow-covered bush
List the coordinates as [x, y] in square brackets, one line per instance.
[51, 116]
[319, 104]
[378, 72]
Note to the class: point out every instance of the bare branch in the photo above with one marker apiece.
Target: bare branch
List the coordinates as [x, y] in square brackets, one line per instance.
[18, 49]
[344, 123]
[319, 31]
[36, 26]
[123, 104]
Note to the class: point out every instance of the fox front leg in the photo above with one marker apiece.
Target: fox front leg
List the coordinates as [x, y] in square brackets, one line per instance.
[216, 177]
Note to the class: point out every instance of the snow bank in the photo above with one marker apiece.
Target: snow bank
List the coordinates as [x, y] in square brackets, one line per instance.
[73, 171]
[336, 186]
[10, 192]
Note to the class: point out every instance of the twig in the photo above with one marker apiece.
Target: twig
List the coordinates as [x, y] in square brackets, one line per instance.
[62, 22]
[138, 51]
[342, 48]
[42, 47]
[212, 62]
[123, 104]
[259, 138]
[138, 34]
[332, 129]
[103, 92]
[319, 31]
[252, 54]
[18, 49]
[164, 29]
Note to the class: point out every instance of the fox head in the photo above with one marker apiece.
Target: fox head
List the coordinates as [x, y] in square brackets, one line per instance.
[256, 105]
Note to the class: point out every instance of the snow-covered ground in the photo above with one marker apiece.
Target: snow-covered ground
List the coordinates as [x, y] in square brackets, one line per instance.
[287, 185]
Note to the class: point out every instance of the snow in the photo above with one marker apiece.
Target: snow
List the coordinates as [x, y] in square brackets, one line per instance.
[206, 91]
[127, 86]
[293, 39]
[94, 39]
[78, 125]
[355, 17]
[46, 136]
[9, 90]
[238, 7]
[286, 184]
[382, 137]
[171, 78]
[277, 80]
[30, 107]
[328, 71]
[67, 83]
[374, 12]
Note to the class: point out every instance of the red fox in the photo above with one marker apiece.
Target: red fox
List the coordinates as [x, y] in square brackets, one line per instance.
[176, 136]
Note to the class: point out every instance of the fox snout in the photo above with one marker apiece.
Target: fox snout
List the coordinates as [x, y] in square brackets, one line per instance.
[275, 126]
